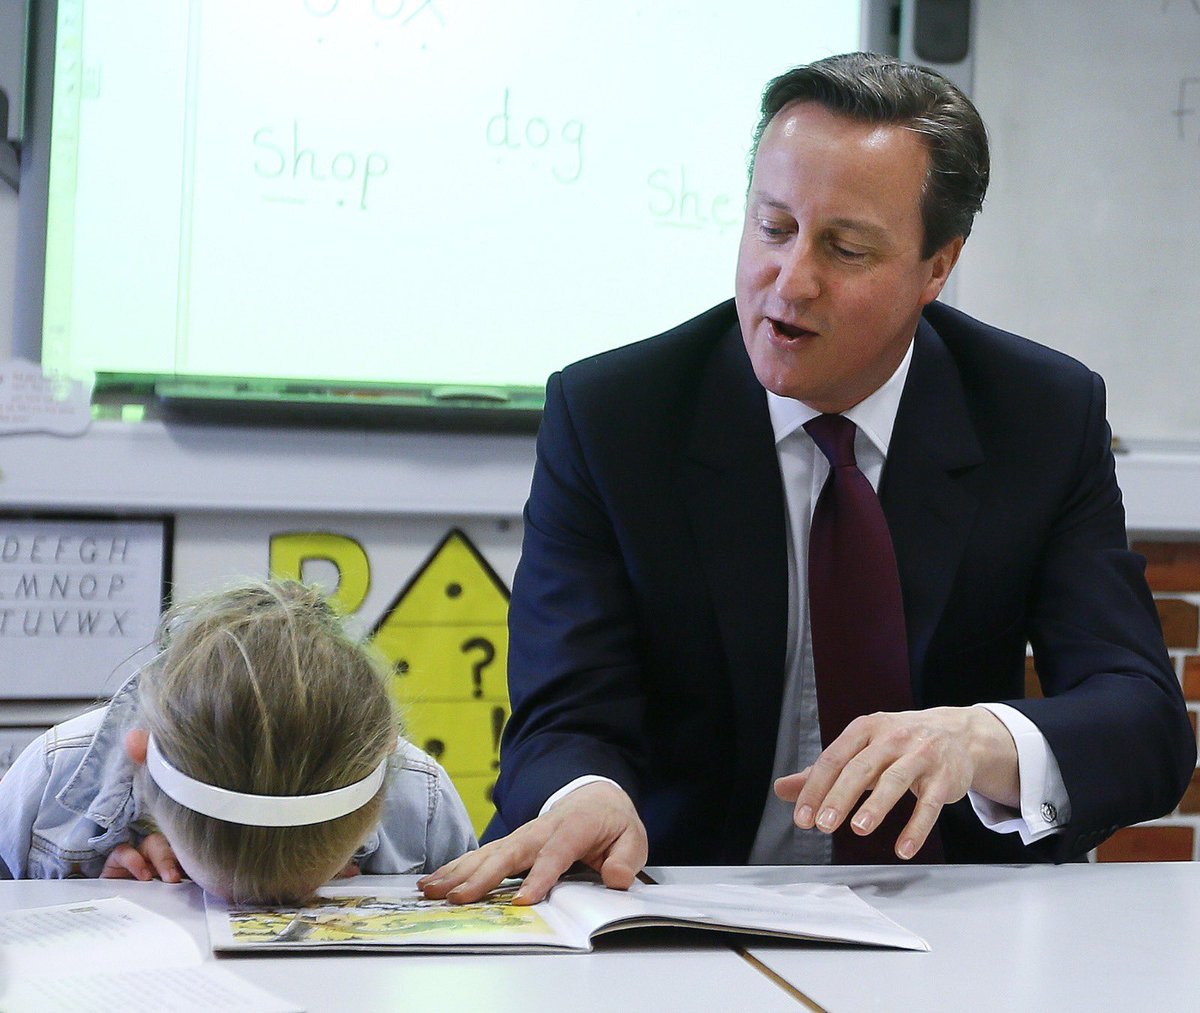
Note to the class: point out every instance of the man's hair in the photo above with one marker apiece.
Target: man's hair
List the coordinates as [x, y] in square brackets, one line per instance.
[259, 689]
[879, 89]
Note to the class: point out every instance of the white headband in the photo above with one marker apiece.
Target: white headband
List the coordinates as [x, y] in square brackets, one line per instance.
[260, 810]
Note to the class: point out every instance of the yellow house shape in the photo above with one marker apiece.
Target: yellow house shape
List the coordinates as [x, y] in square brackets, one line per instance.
[446, 636]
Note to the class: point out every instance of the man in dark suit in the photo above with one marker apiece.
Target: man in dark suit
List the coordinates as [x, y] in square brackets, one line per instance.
[662, 627]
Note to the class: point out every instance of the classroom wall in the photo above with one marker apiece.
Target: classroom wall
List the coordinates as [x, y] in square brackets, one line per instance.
[8, 267]
[1087, 241]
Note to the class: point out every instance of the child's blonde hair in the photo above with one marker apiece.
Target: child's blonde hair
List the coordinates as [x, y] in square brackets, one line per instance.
[259, 689]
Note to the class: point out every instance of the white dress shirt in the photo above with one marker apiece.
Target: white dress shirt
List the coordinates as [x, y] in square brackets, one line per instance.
[1045, 806]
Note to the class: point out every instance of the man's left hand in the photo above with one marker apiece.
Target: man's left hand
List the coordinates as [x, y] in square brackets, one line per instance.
[937, 754]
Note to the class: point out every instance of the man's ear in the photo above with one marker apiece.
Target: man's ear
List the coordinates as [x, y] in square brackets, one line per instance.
[941, 264]
[135, 745]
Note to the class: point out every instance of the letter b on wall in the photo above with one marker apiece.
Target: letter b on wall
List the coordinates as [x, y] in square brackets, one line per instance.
[292, 551]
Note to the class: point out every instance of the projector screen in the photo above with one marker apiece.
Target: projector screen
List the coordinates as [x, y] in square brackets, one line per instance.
[464, 192]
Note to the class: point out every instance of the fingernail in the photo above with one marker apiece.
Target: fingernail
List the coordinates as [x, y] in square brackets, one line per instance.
[907, 849]
[427, 882]
[804, 817]
[827, 819]
[863, 822]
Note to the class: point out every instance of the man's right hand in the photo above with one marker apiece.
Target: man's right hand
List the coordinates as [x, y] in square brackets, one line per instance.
[596, 824]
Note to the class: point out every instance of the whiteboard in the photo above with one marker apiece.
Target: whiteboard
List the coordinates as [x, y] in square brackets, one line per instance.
[1090, 237]
[444, 192]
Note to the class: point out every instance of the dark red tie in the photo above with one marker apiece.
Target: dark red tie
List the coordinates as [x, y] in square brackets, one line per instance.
[860, 647]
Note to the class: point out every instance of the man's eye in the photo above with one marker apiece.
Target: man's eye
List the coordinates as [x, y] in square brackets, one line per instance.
[847, 253]
[771, 229]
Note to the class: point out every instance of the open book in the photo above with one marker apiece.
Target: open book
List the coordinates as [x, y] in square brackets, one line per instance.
[398, 919]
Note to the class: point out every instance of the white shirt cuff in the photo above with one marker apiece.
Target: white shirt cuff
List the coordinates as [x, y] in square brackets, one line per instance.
[566, 789]
[1045, 805]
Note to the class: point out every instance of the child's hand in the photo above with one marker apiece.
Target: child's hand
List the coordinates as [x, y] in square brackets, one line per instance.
[152, 859]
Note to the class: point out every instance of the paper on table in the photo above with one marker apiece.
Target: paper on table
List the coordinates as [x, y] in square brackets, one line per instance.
[62, 958]
[198, 989]
[93, 932]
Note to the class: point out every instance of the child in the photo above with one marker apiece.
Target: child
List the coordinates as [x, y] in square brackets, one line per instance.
[259, 746]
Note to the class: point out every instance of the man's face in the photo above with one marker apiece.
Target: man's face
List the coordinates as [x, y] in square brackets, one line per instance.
[830, 279]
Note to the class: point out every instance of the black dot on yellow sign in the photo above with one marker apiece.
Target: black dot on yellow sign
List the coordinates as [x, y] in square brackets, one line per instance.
[446, 635]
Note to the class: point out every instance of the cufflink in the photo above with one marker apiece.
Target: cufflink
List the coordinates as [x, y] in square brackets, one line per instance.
[1049, 812]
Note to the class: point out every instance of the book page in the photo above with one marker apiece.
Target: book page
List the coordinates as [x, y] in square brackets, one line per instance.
[62, 958]
[365, 917]
[814, 911]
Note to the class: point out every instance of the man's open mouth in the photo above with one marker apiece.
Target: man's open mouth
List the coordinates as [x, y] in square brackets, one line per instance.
[790, 330]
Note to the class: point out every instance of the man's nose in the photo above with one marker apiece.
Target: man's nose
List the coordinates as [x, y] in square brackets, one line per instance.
[799, 276]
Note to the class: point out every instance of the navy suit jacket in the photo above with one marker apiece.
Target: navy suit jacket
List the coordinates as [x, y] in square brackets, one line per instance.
[648, 618]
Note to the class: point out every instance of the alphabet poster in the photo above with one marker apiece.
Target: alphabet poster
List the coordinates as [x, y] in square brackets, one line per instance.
[79, 599]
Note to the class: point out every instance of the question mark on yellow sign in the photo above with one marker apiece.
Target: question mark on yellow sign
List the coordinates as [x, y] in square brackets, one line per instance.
[489, 655]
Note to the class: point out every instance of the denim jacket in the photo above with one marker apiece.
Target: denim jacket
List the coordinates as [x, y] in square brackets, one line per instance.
[69, 800]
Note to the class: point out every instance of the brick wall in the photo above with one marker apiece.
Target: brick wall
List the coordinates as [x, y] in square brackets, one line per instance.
[1173, 569]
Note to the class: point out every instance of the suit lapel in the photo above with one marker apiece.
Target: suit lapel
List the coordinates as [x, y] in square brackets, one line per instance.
[735, 503]
[927, 503]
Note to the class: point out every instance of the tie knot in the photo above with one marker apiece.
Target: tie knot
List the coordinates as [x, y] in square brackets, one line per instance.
[834, 434]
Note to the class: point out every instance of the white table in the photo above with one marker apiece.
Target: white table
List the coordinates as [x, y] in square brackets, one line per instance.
[1056, 938]
[655, 973]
